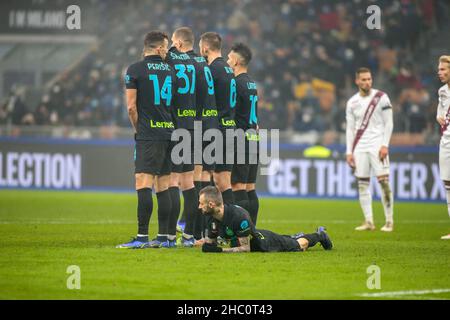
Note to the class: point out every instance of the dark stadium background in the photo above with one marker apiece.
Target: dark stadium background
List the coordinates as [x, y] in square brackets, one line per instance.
[67, 85]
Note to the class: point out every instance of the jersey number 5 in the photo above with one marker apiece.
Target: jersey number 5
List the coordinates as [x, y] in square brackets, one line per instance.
[164, 93]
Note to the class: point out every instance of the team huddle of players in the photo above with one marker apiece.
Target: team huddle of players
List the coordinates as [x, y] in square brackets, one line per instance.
[172, 89]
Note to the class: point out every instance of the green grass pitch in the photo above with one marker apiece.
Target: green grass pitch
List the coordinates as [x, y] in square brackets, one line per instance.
[42, 233]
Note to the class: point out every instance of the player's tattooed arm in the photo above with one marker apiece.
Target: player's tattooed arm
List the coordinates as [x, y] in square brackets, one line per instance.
[243, 247]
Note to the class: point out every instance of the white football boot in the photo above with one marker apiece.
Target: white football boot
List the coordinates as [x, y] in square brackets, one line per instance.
[366, 226]
[388, 227]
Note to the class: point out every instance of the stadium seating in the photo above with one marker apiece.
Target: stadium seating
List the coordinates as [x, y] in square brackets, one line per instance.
[305, 55]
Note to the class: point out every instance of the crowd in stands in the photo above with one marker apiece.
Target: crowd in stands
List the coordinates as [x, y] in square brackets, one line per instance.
[305, 56]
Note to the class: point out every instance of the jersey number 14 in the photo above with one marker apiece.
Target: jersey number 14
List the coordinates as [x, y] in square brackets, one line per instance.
[164, 93]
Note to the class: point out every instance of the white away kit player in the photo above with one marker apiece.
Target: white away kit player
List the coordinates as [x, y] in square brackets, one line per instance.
[369, 129]
[443, 117]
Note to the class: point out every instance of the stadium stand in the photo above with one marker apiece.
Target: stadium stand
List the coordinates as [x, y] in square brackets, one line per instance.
[305, 55]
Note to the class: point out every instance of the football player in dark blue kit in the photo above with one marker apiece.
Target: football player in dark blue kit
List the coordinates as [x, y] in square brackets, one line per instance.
[184, 114]
[149, 87]
[208, 115]
[233, 222]
[225, 93]
[243, 176]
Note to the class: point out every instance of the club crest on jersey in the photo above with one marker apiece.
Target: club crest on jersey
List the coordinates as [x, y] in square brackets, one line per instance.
[244, 224]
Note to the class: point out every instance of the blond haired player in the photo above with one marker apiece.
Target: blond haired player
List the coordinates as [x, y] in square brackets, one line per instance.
[443, 117]
[369, 130]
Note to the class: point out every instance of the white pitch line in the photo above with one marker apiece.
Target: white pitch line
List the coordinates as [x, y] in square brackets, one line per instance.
[62, 221]
[281, 221]
[421, 298]
[403, 293]
[350, 221]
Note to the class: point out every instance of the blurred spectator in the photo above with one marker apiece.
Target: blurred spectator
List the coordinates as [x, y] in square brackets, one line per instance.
[14, 111]
[306, 115]
[413, 105]
[407, 79]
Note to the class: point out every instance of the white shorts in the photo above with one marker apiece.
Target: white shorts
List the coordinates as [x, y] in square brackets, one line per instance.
[444, 160]
[369, 162]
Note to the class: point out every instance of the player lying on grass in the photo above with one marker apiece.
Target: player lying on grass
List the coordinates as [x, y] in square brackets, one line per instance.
[234, 223]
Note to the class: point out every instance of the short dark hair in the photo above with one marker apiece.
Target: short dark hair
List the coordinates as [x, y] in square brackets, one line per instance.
[213, 40]
[213, 194]
[362, 70]
[153, 39]
[185, 34]
[244, 51]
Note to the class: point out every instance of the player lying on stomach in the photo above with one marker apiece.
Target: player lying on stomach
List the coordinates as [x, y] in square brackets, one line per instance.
[234, 223]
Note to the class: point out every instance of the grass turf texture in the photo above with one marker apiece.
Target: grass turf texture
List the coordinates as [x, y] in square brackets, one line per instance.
[42, 233]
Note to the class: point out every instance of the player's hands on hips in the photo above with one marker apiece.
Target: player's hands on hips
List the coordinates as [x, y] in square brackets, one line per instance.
[211, 247]
[441, 121]
[384, 151]
[351, 160]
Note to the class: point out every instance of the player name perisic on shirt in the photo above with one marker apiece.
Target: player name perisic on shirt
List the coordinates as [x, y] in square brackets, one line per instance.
[158, 66]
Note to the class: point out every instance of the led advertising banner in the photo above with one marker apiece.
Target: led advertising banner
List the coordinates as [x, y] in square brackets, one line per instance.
[95, 164]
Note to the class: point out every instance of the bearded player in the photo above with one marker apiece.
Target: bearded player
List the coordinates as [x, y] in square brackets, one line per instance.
[369, 129]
